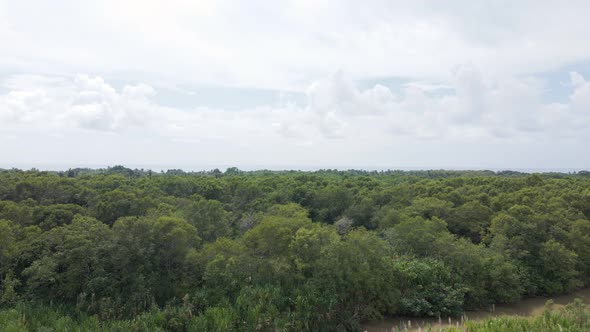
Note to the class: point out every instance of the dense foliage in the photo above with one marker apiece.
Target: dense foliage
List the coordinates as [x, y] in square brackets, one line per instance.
[256, 251]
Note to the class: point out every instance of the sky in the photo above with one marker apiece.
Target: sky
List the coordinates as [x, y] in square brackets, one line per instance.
[295, 84]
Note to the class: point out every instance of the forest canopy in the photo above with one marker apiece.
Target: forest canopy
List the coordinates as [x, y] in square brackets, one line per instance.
[288, 250]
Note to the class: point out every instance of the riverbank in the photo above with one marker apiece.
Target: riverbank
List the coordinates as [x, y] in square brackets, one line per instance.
[524, 308]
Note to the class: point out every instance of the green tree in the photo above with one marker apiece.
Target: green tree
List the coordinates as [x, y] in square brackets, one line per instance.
[359, 278]
[430, 207]
[579, 242]
[420, 237]
[309, 244]
[469, 220]
[558, 268]
[74, 261]
[210, 219]
[173, 238]
[428, 288]
[112, 205]
[275, 232]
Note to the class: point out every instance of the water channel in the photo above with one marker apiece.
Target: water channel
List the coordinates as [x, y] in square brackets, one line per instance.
[526, 307]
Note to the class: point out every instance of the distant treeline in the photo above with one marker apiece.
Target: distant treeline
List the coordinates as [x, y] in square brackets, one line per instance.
[284, 250]
[433, 173]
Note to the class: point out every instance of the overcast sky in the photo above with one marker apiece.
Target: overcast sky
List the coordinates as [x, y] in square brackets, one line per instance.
[295, 84]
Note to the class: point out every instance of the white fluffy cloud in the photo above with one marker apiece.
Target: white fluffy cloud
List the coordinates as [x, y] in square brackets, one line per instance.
[339, 123]
[507, 108]
[335, 108]
[84, 102]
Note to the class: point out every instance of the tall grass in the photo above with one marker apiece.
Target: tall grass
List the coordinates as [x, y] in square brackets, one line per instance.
[54, 318]
[574, 317]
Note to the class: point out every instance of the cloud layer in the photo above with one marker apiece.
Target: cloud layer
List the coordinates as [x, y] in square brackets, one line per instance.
[336, 108]
[473, 81]
[289, 44]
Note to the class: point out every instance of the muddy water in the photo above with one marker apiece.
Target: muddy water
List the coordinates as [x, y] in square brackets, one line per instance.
[527, 307]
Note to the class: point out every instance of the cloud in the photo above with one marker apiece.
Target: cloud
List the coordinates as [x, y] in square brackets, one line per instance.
[339, 121]
[333, 99]
[96, 105]
[580, 98]
[496, 95]
[494, 108]
[83, 102]
[475, 107]
[288, 44]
